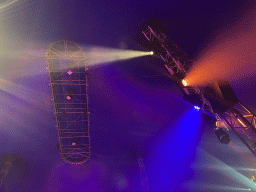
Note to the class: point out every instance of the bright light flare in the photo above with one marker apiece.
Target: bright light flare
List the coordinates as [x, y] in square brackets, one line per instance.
[152, 53]
[185, 82]
[196, 108]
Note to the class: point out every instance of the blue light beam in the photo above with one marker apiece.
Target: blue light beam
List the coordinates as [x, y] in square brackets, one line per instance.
[173, 151]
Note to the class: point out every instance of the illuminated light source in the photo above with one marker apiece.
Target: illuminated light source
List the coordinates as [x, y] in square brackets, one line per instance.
[184, 82]
[217, 123]
[220, 123]
[69, 72]
[222, 136]
[196, 108]
[68, 97]
[152, 52]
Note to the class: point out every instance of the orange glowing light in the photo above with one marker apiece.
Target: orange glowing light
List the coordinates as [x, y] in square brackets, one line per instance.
[230, 54]
[185, 82]
[217, 123]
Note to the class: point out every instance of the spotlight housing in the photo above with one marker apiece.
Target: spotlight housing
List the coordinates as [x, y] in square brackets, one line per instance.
[222, 136]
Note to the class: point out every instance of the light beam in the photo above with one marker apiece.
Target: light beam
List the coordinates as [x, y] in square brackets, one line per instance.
[205, 186]
[216, 164]
[230, 55]
[7, 4]
[99, 55]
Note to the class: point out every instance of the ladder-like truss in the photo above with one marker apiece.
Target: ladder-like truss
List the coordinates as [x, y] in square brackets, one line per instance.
[69, 83]
[239, 118]
[143, 176]
[4, 171]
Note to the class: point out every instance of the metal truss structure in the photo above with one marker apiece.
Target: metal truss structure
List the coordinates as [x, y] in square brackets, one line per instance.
[4, 171]
[143, 176]
[69, 83]
[239, 118]
[243, 122]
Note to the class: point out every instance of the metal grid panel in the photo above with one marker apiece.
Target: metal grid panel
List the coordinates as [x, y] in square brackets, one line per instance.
[68, 77]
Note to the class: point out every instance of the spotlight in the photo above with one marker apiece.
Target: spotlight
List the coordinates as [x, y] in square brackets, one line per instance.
[196, 108]
[152, 52]
[69, 97]
[222, 136]
[184, 82]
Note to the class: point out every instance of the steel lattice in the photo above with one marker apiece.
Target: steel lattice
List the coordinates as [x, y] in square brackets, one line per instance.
[69, 83]
[239, 118]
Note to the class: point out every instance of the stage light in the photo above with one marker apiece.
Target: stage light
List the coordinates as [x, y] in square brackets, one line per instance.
[152, 52]
[222, 136]
[69, 72]
[217, 123]
[68, 97]
[184, 82]
[196, 108]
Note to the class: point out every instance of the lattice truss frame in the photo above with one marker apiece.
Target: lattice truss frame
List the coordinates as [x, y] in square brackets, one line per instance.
[4, 171]
[69, 83]
[243, 122]
[177, 62]
[240, 118]
[143, 175]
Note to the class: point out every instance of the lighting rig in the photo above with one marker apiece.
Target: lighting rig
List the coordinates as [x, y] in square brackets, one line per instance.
[69, 83]
[216, 100]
